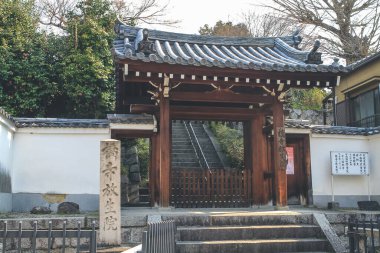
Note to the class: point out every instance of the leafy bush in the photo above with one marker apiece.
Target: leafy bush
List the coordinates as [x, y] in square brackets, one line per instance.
[307, 99]
[231, 141]
[143, 154]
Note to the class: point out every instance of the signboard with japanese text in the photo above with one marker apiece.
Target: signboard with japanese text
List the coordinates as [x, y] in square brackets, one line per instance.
[349, 163]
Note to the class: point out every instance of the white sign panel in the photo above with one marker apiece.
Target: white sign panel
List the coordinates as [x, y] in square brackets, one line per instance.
[349, 163]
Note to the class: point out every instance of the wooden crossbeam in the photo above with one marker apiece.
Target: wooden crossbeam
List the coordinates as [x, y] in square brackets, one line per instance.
[220, 96]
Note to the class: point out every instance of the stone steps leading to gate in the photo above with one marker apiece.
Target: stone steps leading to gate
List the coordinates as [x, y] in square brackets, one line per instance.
[253, 246]
[215, 233]
[260, 232]
[183, 153]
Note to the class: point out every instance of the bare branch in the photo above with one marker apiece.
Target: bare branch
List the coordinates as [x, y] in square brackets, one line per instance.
[351, 27]
[147, 11]
[54, 12]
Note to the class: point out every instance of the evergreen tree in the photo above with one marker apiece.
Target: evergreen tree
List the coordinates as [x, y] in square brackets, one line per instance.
[25, 86]
[87, 68]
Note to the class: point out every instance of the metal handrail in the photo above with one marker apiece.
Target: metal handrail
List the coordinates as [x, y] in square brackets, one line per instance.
[192, 143]
[199, 146]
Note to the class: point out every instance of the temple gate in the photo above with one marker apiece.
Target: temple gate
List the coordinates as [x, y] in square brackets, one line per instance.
[190, 77]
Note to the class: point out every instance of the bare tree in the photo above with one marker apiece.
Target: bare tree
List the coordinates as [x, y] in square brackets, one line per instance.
[54, 12]
[147, 11]
[268, 25]
[350, 28]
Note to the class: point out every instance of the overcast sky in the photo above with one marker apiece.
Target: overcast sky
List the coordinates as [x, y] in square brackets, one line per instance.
[196, 13]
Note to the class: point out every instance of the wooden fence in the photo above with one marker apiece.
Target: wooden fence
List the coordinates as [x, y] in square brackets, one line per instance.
[210, 188]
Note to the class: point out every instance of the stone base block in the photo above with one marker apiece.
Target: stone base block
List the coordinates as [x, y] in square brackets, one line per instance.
[333, 205]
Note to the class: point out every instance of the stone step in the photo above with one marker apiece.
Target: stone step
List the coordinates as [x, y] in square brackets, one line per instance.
[180, 138]
[248, 232]
[186, 165]
[144, 198]
[144, 191]
[181, 142]
[184, 160]
[139, 204]
[253, 246]
[258, 218]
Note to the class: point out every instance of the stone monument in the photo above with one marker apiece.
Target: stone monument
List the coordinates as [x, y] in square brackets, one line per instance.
[109, 196]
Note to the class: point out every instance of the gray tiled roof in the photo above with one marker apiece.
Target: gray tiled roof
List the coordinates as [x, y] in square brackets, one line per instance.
[365, 131]
[269, 54]
[343, 130]
[358, 64]
[131, 118]
[84, 123]
[5, 114]
[61, 123]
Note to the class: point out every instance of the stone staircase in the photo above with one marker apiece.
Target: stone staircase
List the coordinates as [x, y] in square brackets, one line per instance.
[183, 152]
[208, 148]
[250, 234]
[143, 199]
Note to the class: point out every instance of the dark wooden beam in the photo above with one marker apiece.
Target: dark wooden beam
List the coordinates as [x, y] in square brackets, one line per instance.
[198, 81]
[202, 112]
[139, 108]
[226, 72]
[220, 96]
[279, 155]
[212, 113]
[128, 133]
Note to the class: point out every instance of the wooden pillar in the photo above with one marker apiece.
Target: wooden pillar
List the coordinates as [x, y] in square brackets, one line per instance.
[165, 147]
[279, 155]
[247, 141]
[259, 160]
[154, 172]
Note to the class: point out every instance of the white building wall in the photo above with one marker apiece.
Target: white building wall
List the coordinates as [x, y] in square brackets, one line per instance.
[53, 165]
[347, 189]
[374, 147]
[7, 130]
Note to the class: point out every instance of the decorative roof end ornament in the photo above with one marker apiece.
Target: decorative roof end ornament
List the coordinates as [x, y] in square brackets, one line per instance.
[297, 38]
[336, 62]
[314, 57]
[143, 44]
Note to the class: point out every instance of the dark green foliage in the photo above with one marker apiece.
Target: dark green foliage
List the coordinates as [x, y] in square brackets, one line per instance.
[307, 99]
[232, 143]
[70, 75]
[87, 69]
[144, 155]
[225, 29]
[25, 84]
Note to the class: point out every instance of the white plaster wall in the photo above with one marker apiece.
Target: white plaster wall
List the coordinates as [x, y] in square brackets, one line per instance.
[63, 161]
[320, 146]
[6, 147]
[374, 147]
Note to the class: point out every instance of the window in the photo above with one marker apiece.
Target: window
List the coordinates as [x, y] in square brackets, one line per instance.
[365, 109]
